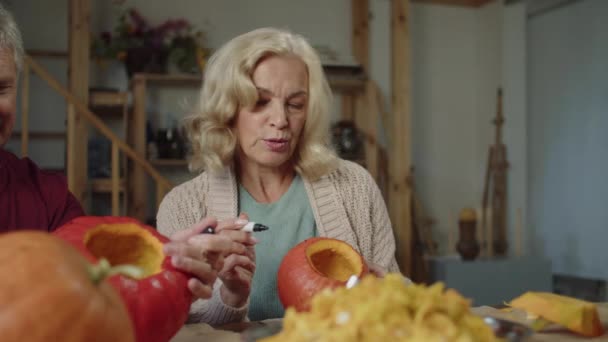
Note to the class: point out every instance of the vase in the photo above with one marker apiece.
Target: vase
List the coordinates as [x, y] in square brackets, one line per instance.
[467, 246]
[183, 56]
[347, 140]
[169, 144]
[146, 59]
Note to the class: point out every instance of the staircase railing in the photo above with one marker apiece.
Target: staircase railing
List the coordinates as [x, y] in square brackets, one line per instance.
[118, 145]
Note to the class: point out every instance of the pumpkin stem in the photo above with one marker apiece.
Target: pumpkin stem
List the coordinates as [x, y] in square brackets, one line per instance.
[103, 270]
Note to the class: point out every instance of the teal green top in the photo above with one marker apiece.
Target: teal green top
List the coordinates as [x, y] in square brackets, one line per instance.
[291, 221]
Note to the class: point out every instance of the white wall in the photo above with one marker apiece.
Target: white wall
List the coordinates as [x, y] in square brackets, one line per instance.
[568, 120]
[444, 110]
[460, 57]
[515, 130]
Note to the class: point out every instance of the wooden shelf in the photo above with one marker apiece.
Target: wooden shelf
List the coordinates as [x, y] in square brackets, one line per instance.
[110, 111]
[108, 98]
[465, 3]
[169, 162]
[105, 185]
[176, 80]
[40, 135]
[47, 53]
[341, 79]
[109, 103]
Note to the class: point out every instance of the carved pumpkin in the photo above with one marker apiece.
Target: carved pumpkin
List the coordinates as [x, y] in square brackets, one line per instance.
[313, 265]
[48, 293]
[160, 300]
[577, 315]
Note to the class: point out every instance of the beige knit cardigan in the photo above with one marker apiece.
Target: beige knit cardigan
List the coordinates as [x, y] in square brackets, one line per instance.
[346, 203]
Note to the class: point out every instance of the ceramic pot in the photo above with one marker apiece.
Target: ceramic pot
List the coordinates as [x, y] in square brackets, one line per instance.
[467, 246]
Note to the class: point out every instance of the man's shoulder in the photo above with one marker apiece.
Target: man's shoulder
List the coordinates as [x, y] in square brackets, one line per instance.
[38, 190]
[26, 170]
[17, 166]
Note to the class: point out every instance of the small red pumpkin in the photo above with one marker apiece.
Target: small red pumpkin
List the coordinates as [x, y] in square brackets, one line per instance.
[49, 292]
[316, 264]
[160, 300]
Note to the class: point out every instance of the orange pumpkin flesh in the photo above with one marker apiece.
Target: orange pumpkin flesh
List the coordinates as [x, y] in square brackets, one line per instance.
[313, 265]
[334, 260]
[47, 294]
[126, 244]
[159, 300]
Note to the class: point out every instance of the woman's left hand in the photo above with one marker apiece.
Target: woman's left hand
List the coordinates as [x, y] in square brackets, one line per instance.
[237, 276]
[238, 270]
[202, 255]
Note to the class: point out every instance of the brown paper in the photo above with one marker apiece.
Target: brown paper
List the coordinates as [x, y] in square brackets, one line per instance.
[552, 333]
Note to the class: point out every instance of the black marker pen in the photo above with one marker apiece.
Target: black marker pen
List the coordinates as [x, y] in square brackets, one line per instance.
[249, 227]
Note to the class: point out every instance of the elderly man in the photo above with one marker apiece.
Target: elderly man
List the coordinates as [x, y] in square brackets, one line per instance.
[29, 197]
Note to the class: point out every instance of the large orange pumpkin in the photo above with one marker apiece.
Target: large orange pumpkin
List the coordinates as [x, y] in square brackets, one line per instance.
[159, 301]
[48, 294]
[313, 265]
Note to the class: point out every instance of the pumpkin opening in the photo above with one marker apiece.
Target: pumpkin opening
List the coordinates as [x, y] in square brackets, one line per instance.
[126, 243]
[334, 260]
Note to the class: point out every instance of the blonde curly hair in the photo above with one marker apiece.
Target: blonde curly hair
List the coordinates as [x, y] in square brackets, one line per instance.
[228, 86]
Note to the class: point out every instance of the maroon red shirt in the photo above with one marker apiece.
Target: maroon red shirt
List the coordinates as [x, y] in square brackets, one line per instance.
[31, 198]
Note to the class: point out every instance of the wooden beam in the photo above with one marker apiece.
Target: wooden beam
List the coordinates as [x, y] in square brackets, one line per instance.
[137, 184]
[365, 116]
[47, 53]
[115, 180]
[399, 153]
[367, 113]
[105, 185]
[360, 27]
[39, 135]
[466, 3]
[78, 80]
[348, 107]
[360, 50]
[161, 191]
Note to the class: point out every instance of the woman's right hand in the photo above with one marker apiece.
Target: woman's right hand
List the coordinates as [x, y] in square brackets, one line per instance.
[202, 255]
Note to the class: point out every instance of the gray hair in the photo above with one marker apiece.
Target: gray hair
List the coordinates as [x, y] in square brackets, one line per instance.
[10, 36]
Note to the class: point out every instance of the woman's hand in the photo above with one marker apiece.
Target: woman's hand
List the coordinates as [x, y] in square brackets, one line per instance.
[202, 255]
[238, 270]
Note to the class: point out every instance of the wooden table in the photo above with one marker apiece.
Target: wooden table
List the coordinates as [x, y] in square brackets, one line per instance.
[204, 332]
[232, 332]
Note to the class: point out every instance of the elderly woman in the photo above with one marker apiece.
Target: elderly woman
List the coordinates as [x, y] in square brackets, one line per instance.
[261, 135]
[30, 198]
